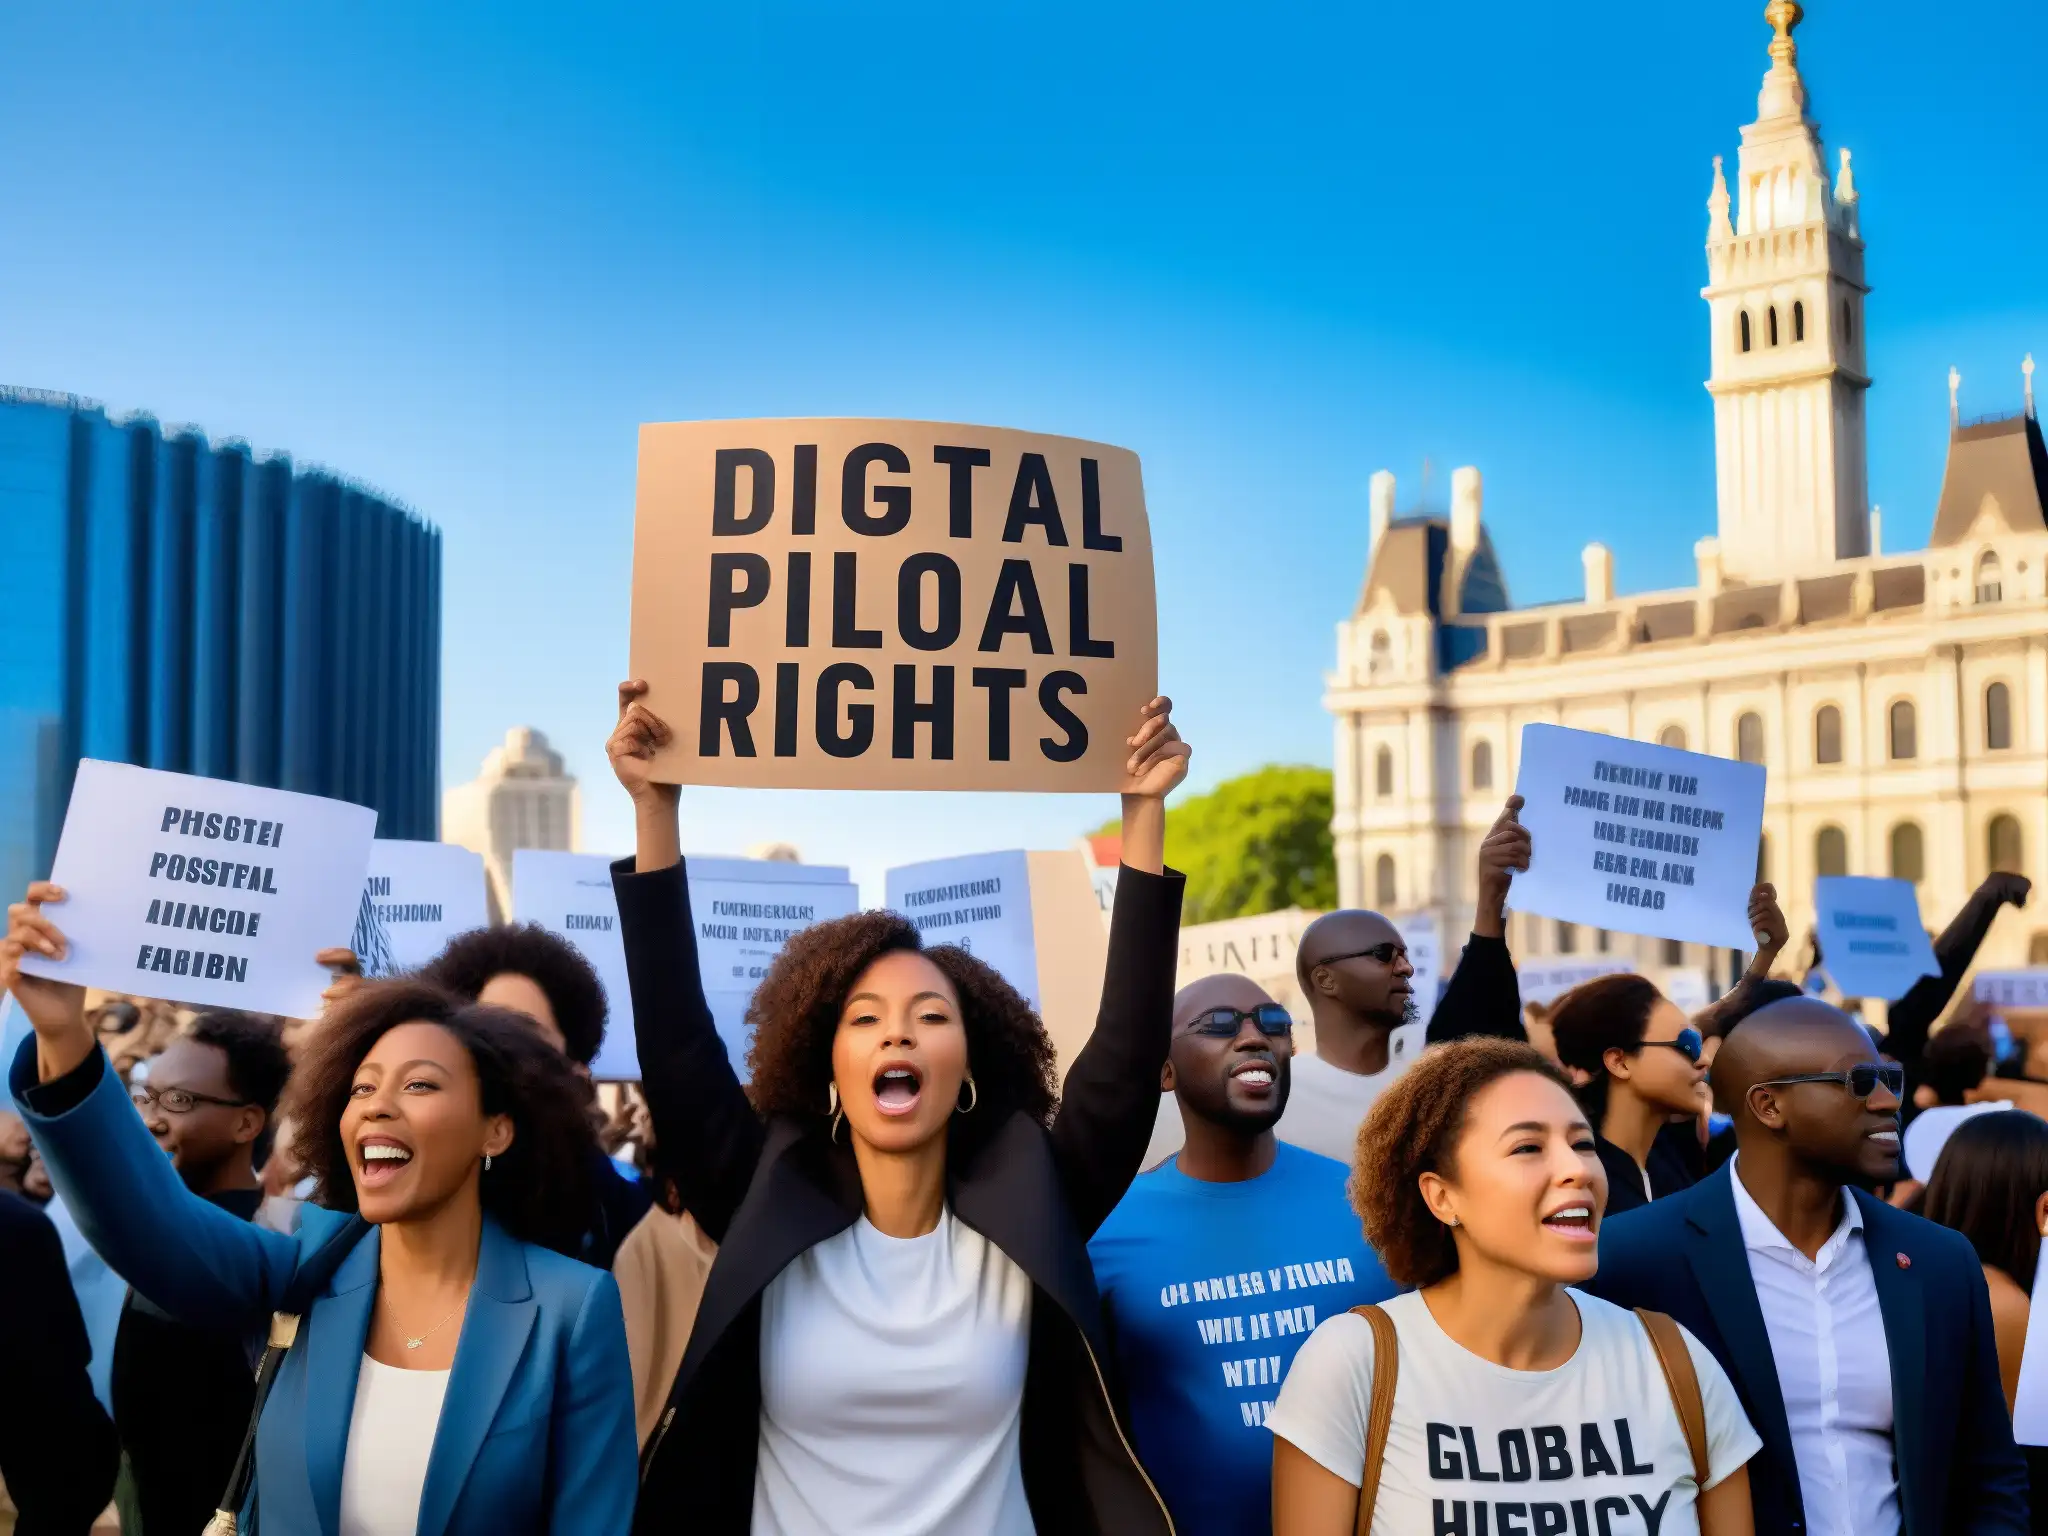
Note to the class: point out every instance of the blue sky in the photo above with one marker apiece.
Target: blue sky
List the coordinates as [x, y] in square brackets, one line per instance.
[462, 251]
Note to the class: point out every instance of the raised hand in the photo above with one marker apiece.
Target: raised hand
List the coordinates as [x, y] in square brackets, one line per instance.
[1767, 921]
[55, 1009]
[1157, 765]
[1502, 853]
[634, 741]
[347, 971]
[2006, 887]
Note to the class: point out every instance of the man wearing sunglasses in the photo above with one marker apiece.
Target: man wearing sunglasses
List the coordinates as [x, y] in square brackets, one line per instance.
[1859, 1337]
[1218, 1263]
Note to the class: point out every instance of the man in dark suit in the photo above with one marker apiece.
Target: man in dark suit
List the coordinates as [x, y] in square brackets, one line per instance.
[1859, 1337]
[58, 1453]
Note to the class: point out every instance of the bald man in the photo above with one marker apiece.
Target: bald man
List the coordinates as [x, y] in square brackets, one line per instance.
[1219, 1263]
[1859, 1337]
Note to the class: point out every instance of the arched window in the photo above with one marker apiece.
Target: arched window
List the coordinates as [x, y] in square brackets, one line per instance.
[1742, 330]
[1905, 731]
[1567, 938]
[1990, 579]
[1383, 772]
[2002, 842]
[1847, 324]
[1909, 857]
[1798, 321]
[1384, 894]
[1997, 718]
[1482, 765]
[1772, 325]
[2037, 949]
[1674, 952]
[1831, 852]
[1749, 737]
[1672, 736]
[1827, 734]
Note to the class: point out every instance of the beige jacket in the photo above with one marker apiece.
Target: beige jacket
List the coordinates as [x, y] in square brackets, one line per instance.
[660, 1269]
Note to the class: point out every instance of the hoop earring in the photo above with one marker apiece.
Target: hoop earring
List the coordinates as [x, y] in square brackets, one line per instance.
[973, 1097]
[833, 1114]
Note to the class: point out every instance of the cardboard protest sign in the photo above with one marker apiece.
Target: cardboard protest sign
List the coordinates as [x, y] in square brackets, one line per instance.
[416, 897]
[2030, 1398]
[1545, 981]
[1032, 916]
[2013, 989]
[1931, 1129]
[202, 891]
[1869, 930]
[1638, 838]
[843, 604]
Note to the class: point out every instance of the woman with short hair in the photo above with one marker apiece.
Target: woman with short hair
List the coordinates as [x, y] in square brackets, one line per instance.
[1478, 1184]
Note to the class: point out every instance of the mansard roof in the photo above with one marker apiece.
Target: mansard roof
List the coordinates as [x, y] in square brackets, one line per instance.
[1997, 467]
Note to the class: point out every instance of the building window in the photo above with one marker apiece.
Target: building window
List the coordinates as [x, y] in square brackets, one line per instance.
[1798, 321]
[1909, 858]
[1749, 737]
[2002, 839]
[1567, 938]
[1602, 939]
[1742, 330]
[1384, 893]
[1674, 952]
[2037, 949]
[1827, 734]
[1383, 772]
[1905, 731]
[1990, 580]
[1672, 736]
[1997, 718]
[1771, 326]
[1382, 652]
[1482, 765]
[1831, 852]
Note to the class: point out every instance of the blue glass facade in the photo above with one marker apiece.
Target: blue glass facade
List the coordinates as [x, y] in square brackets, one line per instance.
[181, 604]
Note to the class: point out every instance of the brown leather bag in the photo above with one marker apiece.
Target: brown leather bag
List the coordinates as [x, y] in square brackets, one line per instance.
[1680, 1379]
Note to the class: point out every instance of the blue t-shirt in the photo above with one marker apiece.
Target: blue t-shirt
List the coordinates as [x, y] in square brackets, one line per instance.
[1210, 1290]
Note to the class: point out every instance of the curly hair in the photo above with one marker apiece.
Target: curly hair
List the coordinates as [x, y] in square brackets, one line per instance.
[1413, 1129]
[540, 1188]
[546, 959]
[795, 1014]
[1598, 1016]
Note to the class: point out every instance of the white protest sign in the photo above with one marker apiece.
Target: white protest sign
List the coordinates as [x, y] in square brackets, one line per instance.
[570, 894]
[745, 910]
[1931, 1129]
[1423, 932]
[202, 891]
[1869, 929]
[2013, 989]
[2030, 1398]
[416, 898]
[1687, 987]
[1638, 838]
[1545, 981]
[1404, 1044]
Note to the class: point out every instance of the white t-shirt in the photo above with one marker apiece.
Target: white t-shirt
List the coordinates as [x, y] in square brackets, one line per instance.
[390, 1437]
[1594, 1445]
[1325, 1107]
[892, 1388]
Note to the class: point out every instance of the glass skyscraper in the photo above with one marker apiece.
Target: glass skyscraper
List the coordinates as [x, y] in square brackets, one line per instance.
[185, 605]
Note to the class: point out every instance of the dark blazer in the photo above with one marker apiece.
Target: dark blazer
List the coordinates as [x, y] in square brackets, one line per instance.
[536, 1432]
[58, 1454]
[768, 1191]
[1959, 1473]
[1483, 996]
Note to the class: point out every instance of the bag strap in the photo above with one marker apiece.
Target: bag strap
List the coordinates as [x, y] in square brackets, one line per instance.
[311, 1278]
[1386, 1370]
[1683, 1383]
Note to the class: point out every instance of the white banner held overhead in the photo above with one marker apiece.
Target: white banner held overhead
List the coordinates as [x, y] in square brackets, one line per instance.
[1638, 838]
[416, 898]
[2013, 989]
[203, 891]
[1870, 935]
[979, 901]
[570, 894]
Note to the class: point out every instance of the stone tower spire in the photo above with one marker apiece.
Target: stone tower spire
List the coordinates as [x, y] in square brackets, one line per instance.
[1785, 294]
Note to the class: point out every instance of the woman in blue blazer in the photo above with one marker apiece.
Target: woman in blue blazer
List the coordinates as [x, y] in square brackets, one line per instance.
[452, 1374]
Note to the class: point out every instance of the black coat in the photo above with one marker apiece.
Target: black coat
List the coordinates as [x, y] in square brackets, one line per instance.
[767, 1192]
[58, 1453]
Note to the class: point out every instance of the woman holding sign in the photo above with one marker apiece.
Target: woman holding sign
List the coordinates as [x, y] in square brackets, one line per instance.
[901, 1332]
[446, 1368]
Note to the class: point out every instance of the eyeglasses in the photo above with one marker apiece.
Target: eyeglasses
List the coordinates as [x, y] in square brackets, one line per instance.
[1861, 1081]
[179, 1101]
[1223, 1023]
[1385, 954]
[1688, 1043]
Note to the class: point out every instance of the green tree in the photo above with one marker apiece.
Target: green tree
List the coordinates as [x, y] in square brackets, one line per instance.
[1255, 843]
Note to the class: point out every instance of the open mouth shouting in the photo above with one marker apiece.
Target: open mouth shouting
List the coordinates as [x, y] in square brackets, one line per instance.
[1573, 1223]
[898, 1087]
[382, 1160]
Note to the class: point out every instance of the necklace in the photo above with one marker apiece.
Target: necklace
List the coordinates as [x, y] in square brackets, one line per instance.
[415, 1343]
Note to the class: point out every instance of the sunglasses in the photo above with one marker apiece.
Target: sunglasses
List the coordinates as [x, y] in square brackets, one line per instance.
[1224, 1023]
[1688, 1044]
[1861, 1081]
[1385, 954]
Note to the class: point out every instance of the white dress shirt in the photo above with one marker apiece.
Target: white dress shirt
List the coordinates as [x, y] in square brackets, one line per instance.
[1834, 1368]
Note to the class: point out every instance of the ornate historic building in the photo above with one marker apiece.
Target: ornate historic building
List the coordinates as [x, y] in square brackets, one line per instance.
[1899, 701]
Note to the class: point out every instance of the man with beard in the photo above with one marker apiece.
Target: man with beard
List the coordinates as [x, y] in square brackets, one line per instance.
[1858, 1337]
[1218, 1264]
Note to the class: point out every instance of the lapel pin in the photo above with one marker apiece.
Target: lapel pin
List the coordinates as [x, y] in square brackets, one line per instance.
[1905, 1262]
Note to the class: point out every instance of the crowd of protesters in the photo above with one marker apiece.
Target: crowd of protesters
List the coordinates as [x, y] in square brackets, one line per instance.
[1595, 1269]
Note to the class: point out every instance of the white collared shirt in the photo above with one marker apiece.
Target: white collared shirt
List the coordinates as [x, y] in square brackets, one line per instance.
[1834, 1368]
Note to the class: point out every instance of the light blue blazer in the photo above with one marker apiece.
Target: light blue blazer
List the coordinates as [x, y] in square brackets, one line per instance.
[536, 1432]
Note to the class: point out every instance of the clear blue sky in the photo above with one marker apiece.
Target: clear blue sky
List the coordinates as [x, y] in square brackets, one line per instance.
[462, 251]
